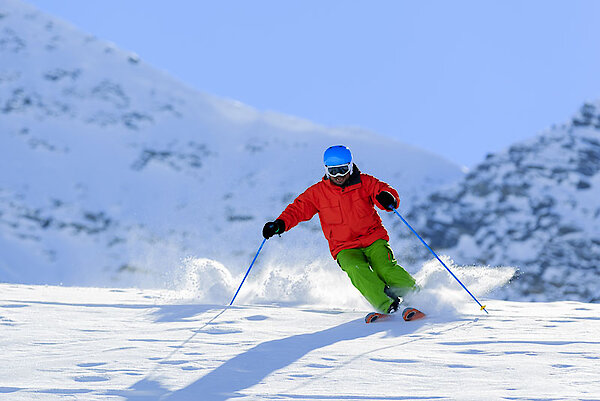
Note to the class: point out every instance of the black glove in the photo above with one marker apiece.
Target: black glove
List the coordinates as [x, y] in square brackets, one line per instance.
[273, 227]
[386, 200]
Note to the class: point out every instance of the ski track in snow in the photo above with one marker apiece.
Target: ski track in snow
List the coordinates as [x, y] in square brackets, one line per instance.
[106, 344]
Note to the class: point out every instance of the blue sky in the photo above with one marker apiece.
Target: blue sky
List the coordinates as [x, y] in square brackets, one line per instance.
[459, 78]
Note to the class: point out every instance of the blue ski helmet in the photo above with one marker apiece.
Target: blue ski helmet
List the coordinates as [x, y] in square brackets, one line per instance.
[337, 155]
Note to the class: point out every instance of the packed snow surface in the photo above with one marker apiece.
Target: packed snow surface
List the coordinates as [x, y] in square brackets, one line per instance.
[128, 344]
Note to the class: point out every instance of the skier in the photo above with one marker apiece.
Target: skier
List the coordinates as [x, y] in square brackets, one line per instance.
[345, 200]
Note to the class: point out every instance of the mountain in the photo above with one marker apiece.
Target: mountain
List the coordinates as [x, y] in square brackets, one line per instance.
[134, 345]
[534, 205]
[113, 173]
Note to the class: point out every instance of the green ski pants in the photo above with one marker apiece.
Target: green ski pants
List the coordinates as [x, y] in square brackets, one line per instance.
[374, 268]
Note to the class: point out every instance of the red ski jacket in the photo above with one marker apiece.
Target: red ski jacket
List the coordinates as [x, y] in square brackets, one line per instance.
[347, 214]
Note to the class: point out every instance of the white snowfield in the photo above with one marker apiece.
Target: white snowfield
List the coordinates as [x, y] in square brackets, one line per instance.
[68, 343]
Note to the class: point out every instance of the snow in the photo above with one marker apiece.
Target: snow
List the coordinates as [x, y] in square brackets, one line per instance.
[129, 344]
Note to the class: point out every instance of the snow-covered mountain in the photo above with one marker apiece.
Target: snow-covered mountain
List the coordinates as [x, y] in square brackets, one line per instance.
[112, 172]
[536, 206]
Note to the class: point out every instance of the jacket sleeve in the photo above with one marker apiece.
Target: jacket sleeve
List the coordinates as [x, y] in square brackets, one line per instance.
[303, 208]
[377, 186]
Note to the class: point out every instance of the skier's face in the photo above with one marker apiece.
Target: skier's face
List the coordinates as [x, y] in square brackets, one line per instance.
[340, 180]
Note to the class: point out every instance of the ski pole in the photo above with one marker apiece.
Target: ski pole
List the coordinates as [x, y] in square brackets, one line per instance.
[247, 272]
[440, 260]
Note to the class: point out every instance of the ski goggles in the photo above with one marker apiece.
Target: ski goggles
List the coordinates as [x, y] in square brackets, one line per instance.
[338, 171]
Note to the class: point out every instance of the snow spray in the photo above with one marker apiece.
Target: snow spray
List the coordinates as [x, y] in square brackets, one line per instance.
[440, 260]
[216, 316]
[440, 296]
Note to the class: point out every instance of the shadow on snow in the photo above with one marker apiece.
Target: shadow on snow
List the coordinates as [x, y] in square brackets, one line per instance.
[250, 367]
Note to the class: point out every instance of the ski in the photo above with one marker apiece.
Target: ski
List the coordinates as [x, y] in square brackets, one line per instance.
[374, 316]
[408, 314]
[412, 314]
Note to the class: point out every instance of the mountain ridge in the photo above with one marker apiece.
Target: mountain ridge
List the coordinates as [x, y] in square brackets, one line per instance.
[110, 164]
[533, 205]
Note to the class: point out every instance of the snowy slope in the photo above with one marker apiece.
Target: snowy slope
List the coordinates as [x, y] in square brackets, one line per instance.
[534, 205]
[112, 173]
[101, 344]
